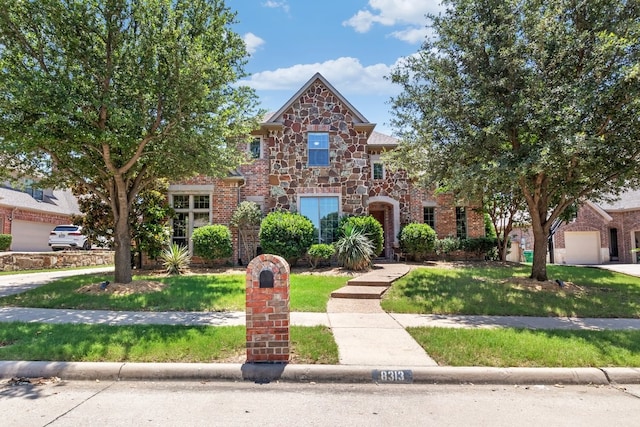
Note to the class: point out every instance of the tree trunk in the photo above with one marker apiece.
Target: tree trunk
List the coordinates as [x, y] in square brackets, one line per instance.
[503, 242]
[540, 239]
[122, 245]
[122, 236]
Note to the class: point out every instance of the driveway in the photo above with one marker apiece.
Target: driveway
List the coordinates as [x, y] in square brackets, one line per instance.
[17, 283]
[630, 269]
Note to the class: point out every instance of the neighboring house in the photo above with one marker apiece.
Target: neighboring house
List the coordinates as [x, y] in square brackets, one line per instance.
[321, 157]
[602, 232]
[29, 214]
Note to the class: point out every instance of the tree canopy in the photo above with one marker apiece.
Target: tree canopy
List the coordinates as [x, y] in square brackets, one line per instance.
[542, 96]
[114, 94]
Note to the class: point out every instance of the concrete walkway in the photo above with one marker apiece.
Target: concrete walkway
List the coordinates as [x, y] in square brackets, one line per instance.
[365, 334]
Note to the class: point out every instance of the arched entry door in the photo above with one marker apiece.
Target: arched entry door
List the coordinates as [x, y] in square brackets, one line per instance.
[385, 211]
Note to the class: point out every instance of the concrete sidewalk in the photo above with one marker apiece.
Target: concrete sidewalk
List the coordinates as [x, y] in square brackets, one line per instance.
[365, 316]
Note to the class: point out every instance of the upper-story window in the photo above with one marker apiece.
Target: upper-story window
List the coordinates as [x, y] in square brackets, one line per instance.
[318, 147]
[378, 170]
[31, 189]
[255, 148]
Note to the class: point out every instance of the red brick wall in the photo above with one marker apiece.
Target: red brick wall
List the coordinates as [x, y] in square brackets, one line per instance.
[8, 213]
[588, 219]
[267, 311]
[445, 213]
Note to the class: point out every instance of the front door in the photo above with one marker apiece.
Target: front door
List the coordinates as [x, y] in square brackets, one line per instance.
[379, 216]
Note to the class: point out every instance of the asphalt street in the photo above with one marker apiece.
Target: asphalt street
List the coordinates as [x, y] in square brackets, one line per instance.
[202, 403]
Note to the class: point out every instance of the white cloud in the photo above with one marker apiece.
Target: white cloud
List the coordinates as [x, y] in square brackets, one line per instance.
[411, 35]
[346, 74]
[252, 42]
[405, 13]
[277, 4]
[363, 20]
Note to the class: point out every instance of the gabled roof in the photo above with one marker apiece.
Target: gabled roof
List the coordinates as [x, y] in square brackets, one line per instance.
[60, 202]
[358, 117]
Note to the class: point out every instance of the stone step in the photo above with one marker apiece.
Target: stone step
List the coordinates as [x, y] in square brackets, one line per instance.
[368, 281]
[360, 292]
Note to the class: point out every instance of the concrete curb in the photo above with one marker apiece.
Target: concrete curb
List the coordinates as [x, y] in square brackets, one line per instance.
[263, 373]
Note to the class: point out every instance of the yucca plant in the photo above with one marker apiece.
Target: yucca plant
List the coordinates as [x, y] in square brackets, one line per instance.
[175, 258]
[355, 250]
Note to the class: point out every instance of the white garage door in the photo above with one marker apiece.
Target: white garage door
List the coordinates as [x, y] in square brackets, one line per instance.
[582, 247]
[30, 236]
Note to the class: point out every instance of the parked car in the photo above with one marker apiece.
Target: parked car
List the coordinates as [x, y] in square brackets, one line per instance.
[68, 237]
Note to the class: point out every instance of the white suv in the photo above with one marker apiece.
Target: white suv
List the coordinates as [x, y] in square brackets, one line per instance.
[68, 236]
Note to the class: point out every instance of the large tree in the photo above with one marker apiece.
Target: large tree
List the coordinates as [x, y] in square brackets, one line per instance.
[544, 94]
[113, 94]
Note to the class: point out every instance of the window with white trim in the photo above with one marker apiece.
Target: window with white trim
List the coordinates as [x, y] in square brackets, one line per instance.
[191, 211]
[318, 148]
[255, 148]
[378, 170]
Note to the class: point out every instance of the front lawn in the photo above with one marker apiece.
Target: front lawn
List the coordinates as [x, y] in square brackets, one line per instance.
[151, 343]
[211, 292]
[529, 348]
[506, 291]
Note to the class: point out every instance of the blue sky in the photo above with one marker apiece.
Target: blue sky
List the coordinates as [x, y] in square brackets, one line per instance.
[354, 44]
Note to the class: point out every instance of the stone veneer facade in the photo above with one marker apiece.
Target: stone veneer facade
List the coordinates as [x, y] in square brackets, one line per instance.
[281, 174]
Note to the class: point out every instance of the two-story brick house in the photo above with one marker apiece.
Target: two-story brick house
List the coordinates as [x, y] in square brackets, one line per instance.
[319, 156]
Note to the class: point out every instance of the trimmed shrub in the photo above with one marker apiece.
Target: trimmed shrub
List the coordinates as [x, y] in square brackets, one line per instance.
[286, 234]
[417, 240]
[175, 258]
[447, 245]
[5, 242]
[212, 242]
[355, 250]
[369, 226]
[320, 253]
[480, 246]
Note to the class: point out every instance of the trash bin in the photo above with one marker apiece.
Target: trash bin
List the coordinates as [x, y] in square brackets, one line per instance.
[528, 256]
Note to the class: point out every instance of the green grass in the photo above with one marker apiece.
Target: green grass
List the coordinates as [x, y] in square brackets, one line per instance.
[150, 343]
[215, 292]
[493, 291]
[529, 348]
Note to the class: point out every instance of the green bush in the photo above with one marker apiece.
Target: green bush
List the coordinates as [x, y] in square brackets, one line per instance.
[286, 234]
[5, 241]
[355, 250]
[369, 226]
[212, 242]
[175, 258]
[417, 240]
[480, 246]
[447, 245]
[320, 253]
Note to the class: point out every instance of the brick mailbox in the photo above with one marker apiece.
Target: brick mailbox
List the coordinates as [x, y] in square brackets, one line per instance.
[267, 310]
